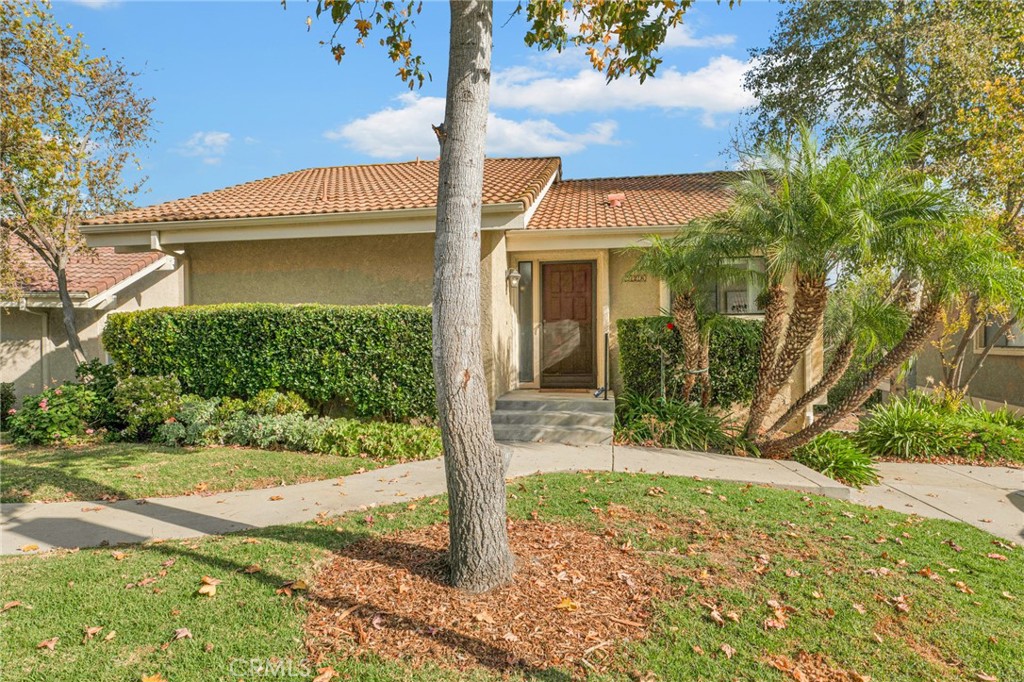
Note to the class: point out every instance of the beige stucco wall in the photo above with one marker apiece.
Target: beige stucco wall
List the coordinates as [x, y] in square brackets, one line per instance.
[638, 298]
[999, 381]
[339, 270]
[32, 362]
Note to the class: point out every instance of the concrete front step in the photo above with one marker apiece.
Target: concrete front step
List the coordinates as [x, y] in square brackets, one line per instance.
[550, 418]
[580, 405]
[546, 433]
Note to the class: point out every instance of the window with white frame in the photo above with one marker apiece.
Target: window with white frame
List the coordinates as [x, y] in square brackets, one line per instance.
[739, 296]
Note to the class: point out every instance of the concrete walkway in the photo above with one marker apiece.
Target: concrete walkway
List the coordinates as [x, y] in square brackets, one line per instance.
[92, 524]
[991, 498]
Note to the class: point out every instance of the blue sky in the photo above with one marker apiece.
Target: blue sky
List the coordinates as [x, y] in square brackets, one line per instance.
[243, 91]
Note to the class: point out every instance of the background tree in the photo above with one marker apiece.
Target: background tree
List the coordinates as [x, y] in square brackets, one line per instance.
[69, 125]
[620, 38]
[950, 69]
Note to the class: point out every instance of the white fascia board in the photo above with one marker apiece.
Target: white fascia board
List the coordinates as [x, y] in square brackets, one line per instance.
[584, 238]
[540, 197]
[507, 216]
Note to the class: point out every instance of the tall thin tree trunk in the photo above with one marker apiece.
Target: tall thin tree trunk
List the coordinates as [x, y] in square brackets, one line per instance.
[771, 332]
[684, 311]
[836, 370]
[955, 365]
[479, 555]
[68, 310]
[921, 327]
[705, 368]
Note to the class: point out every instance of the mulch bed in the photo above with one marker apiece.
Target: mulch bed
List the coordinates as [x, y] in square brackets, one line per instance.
[574, 598]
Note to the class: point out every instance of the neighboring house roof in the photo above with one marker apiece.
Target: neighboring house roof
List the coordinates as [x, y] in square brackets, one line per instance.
[646, 201]
[90, 272]
[345, 189]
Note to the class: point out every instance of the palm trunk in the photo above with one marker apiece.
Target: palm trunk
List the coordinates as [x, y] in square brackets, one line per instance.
[705, 369]
[836, 370]
[921, 327]
[479, 555]
[771, 332]
[684, 312]
[804, 322]
[68, 310]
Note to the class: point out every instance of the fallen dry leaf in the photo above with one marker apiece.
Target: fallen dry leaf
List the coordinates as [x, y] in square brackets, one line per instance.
[962, 586]
[997, 557]
[154, 678]
[728, 651]
[91, 632]
[118, 556]
[182, 633]
[510, 637]
[986, 678]
[1006, 595]
[325, 674]
[28, 548]
[48, 643]
[209, 586]
[483, 617]
[250, 569]
[859, 608]
[15, 604]
[716, 617]
[567, 604]
[110, 635]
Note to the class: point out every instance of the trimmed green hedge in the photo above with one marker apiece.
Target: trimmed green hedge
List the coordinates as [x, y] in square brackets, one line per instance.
[734, 353]
[373, 360]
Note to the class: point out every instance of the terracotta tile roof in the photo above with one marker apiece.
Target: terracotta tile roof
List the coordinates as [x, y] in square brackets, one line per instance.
[647, 201]
[345, 189]
[90, 272]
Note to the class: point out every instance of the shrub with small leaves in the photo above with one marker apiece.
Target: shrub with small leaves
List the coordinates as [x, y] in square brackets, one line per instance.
[101, 379]
[838, 457]
[7, 400]
[144, 403]
[269, 401]
[55, 415]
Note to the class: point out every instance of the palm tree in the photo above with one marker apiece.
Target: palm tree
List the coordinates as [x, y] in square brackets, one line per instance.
[813, 214]
[688, 263]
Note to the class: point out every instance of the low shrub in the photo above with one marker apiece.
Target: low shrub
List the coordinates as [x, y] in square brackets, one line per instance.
[658, 422]
[201, 421]
[838, 457]
[144, 403]
[55, 415]
[733, 355]
[915, 427]
[101, 379]
[7, 400]
[269, 401]
[371, 361]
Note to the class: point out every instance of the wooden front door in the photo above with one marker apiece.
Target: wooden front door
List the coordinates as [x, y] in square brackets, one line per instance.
[568, 345]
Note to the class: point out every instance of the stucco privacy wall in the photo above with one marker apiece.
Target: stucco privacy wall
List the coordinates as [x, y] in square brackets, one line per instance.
[338, 270]
[31, 362]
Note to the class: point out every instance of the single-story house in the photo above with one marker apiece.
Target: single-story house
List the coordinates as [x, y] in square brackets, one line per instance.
[1000, 380]
[554, 276]
[34, 349]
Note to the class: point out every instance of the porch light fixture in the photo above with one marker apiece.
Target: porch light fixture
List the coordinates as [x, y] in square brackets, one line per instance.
[513, 277]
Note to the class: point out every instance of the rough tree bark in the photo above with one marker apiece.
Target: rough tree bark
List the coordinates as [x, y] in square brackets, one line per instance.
[836, 369]
[921, 327]
[771, 332]
[684, 310]
[479, 554]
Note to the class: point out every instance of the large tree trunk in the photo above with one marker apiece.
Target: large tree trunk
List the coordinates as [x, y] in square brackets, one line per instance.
[771, 332]
[836, 370]
[479, 555]
[68, 310]
[684, 311]
[921, 327]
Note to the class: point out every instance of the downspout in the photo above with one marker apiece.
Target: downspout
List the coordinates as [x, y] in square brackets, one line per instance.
[44, 341]
[186, 265]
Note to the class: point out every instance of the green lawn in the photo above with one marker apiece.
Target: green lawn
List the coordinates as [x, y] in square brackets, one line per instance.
[845, 571]
[131, 470]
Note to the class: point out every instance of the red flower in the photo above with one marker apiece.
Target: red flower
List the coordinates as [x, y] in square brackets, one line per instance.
[670, 326]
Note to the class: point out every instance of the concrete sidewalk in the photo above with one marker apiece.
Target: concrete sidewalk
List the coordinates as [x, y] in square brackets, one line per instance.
[92, 524]
[989, 498]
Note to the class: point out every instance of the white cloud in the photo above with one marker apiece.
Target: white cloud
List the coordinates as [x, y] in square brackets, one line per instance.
[713, 89]
[683, 36]
[209, 146]
[97, 4]
[404, 131]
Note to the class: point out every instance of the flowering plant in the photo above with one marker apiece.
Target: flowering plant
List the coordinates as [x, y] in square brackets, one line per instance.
[54, 415]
